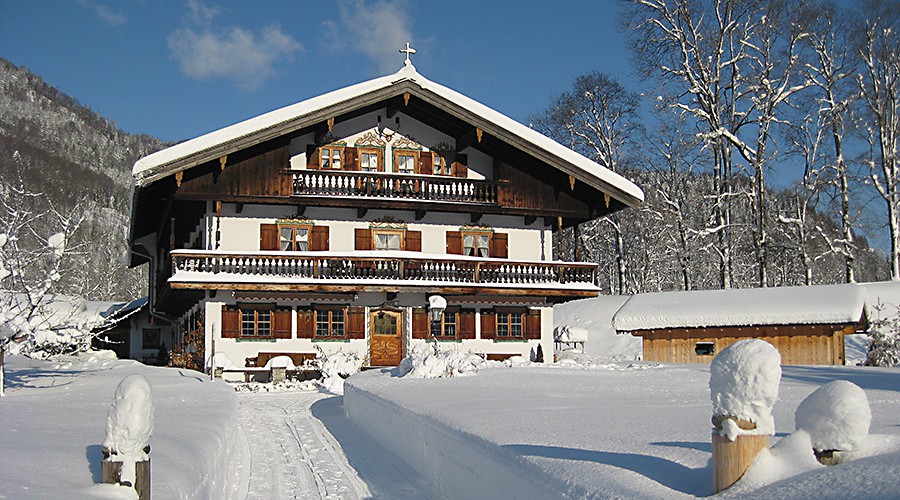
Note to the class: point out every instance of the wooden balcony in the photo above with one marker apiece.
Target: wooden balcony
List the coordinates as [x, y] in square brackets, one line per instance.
[379, 271]
[426, 188]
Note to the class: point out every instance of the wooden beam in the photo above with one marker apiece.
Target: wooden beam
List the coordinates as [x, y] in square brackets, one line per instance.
[467, 139]
[420, 214]
[361, 212]
[476, 217]
[301, 209]
[529, 219]
[239, 207]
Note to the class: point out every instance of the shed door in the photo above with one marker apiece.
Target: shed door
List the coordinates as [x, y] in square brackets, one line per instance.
[385, 338]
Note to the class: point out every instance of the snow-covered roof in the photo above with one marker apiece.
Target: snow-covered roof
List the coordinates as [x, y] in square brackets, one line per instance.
[823, 304]
[317, 109]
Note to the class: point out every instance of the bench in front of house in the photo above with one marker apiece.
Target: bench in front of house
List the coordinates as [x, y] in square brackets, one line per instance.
[255, 367]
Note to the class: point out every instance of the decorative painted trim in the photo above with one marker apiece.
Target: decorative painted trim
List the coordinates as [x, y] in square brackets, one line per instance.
[442, 147]
[370, 139]
[332, 340]
[248, 339]
[406, 142]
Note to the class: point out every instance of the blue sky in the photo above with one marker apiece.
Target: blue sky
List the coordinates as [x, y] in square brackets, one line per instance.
[178, 69]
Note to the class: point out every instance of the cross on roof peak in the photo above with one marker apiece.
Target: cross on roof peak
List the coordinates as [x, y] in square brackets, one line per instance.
[408, 50]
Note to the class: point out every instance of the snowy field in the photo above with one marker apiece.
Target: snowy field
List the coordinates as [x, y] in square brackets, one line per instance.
[611, 430]
[54, 423]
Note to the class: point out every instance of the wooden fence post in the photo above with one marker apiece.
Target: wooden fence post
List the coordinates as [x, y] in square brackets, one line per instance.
[743, 382]
[126, 454]
[111, 473]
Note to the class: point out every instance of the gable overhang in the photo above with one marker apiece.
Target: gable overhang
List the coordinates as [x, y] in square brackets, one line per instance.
[405, 85]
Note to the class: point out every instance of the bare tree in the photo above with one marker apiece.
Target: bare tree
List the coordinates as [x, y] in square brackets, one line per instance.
[732, 65]
[599, 119]
[879, 87]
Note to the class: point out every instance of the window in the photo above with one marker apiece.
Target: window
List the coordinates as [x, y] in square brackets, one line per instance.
[705, 348]
[150, 338]
[440, 165]
[369, 160]
[477, 244]
[446, 327]
[256, 322]
[330, 158]
[509, 324]
[330, 323]
[293, 238]
[406, 162]
[387, 240]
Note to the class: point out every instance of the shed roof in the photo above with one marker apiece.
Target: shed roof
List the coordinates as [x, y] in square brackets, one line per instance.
[822, 304]
[296, 116]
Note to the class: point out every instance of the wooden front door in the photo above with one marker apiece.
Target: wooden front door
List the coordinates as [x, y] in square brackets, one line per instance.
[385, 338]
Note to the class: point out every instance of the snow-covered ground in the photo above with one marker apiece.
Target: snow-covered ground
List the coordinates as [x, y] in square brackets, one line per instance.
[624, 430]
[53, 424]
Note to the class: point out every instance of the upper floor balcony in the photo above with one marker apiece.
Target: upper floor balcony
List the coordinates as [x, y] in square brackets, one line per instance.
[406, 187]
[393, 271]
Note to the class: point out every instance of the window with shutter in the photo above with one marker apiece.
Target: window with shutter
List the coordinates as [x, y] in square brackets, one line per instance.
[510, 324]
[356, 322]
[255, 321]
[331, 157]
[440, 165]
[454, 243]
[362, 239]
[387, 239]
[330, 322]
[320, 239]
[414, 241]
[448, 326]
[459, 167]
[533, 324]
[500, 245]
[371, 160]
[488, 324]
[406, 160]
[268, 237]
[466, 322]
[420, 328]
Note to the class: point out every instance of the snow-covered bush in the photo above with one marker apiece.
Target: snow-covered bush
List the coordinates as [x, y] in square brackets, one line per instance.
[336, 367]
[836, 416]
[884, 348]
[743, 383]
[428, 360]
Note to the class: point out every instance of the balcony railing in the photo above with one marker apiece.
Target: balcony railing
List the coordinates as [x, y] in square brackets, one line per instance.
[411, 268]
[394, 186]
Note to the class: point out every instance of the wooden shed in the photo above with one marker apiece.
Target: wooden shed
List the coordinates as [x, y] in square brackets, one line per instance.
[806, 324]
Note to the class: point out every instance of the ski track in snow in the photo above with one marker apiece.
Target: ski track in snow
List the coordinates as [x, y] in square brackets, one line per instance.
[293, 453]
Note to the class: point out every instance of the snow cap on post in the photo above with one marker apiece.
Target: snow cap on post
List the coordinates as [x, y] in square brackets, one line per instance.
[836, 416]
[129, 422]
[743, 383]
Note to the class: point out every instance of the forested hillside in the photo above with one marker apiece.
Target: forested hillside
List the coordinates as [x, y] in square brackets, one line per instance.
[62, 164]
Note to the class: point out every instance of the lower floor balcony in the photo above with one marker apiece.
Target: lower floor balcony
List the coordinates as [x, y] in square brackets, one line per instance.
[388, 271]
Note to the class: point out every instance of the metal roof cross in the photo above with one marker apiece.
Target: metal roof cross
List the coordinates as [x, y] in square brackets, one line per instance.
[407, 51]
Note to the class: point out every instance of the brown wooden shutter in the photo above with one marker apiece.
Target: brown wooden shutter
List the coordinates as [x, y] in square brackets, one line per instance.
[459, 168]
[363, 239]
[421, 327]
[454, 243]
[466, 328]
[351, 158]
[488, 324]
[426, 163]
[356, 322]
[268, 237]
[500, 245]
[312, 157]
[319, 238]
[231, 323]
[414, 241]
[533, 324]
[306, 323]
[282, 323]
